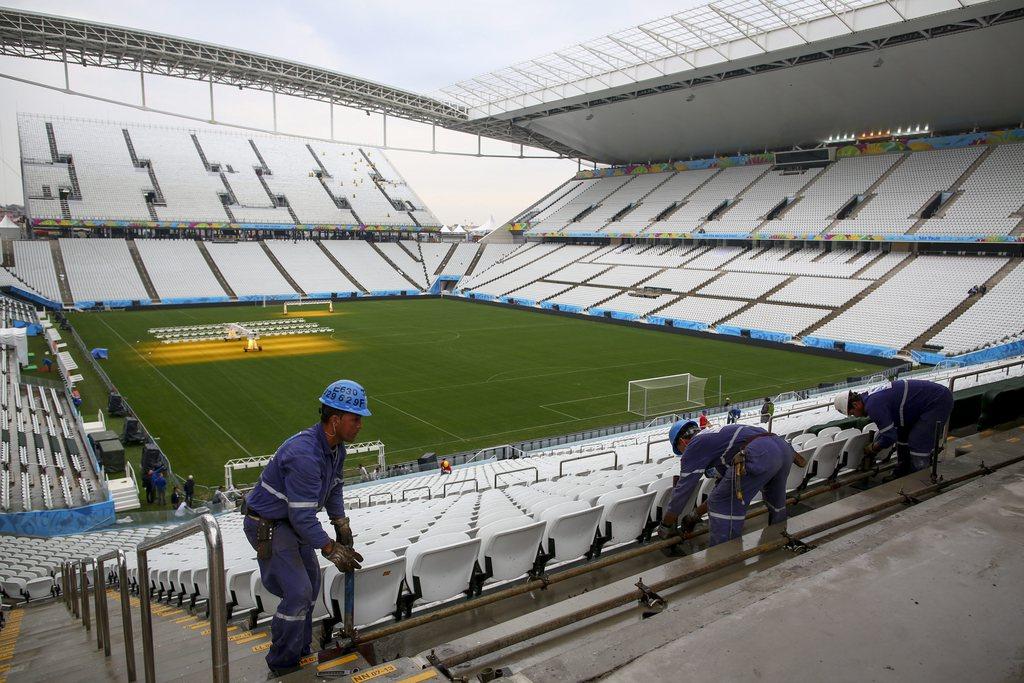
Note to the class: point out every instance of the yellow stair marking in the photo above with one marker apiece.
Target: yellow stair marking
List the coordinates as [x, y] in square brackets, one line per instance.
[262, 647]
[250, 638]
[374, 673]
[421, 676]
[182, 620]
[334, 663]
[201, 624]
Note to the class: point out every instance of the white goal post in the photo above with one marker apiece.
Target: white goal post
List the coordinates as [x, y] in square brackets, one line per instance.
[309, 302]
[668, 394]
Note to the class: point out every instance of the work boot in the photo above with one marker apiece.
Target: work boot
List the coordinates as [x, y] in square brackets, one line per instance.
[282, 671]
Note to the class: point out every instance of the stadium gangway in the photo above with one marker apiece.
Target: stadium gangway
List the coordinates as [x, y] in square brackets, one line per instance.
[75, 586]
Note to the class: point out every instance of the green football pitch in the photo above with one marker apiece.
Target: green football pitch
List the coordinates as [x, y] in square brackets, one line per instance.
[442, 376]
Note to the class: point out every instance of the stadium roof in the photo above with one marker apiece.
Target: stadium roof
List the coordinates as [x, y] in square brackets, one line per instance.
[61, 39]
[765, 74]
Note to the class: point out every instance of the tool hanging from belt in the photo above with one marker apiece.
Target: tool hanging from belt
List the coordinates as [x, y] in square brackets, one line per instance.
[739, 465]
[264, 536]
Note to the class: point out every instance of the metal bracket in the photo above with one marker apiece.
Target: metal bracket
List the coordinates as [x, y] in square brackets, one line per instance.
[795, 545]
[651, 602]
[907, 498]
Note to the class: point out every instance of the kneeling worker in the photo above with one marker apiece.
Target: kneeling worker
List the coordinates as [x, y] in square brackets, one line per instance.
[748, 459]
[906, 413]
[305, 475]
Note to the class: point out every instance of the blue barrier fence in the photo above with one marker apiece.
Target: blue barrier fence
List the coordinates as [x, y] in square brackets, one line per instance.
[58, 522]
[1015, 348]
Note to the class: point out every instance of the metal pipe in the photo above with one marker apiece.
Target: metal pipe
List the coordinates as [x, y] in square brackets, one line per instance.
[126, 614]
[206, 524]
[615, 463]
[84, 577]
[444, 488]
[99, 596]
[606, 561]
[501, 643]
[73, 582]
[64, 585]
[417, 488]
[536, 474]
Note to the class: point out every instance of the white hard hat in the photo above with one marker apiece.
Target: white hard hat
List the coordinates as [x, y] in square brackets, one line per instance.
[842, 402]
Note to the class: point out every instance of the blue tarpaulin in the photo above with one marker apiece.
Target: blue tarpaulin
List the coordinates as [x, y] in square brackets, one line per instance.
[99, 354]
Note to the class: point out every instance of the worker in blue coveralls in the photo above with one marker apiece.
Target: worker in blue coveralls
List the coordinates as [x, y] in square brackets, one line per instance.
[746, 459]
[304, 476]
[908, 413]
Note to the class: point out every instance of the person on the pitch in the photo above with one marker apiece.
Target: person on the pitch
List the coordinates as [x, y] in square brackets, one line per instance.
[304, 476]
[907, 413]
[748, 459]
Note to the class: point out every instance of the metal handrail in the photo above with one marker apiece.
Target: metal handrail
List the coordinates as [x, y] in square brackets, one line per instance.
[444, 488]
[979, 371]
[369, 498]
[102, 615]
[536, 474]
[589, 455]
[83, 579]
[208, 525]
[652, 440]
[416, 488]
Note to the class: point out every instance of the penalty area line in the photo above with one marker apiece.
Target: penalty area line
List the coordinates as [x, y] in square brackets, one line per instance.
[178, 389]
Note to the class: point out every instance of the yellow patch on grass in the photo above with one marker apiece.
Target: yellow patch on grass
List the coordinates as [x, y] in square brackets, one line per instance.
[187, 353]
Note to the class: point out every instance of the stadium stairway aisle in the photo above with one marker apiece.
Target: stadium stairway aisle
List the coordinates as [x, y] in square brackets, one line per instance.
[53, 645]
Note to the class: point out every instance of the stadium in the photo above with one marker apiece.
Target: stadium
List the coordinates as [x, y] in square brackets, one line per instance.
[777, 215]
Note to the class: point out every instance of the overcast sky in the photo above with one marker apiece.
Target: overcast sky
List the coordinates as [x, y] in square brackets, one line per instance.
[420, 46]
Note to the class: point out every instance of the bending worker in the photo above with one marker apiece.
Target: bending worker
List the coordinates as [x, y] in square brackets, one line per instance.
[747, 460]
[304, 476]
[907, 413]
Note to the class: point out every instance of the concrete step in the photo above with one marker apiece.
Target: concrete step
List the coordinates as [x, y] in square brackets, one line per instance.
[281, 269]
[143, 273]
[216, 271]
[337, 264]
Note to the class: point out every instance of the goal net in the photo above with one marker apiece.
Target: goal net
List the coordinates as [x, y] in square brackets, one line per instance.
[318, 303]
[668, 394]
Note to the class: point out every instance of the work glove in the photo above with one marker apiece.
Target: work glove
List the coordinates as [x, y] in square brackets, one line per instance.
[344, 557]
[342, 530]
[666, 532]
[688, 523]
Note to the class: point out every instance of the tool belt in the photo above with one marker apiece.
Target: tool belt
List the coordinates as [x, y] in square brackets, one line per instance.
[739, 464]
[264, 535]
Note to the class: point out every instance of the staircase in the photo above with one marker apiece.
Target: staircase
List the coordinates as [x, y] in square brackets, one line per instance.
[143, 273]
[340, 267]
[849, 304]
[972, 168]
[962, 307]
[869, 192]
[8, 251]
[476, 260]
[125, 494]
[216, 271]
[418, 256]
[378, 181]
[735, 200]
[281, 268]
[395, 266]
[62, 278]
[444, 261]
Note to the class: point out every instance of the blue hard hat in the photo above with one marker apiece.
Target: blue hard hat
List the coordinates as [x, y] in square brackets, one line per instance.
[346, 395]
[684, 428]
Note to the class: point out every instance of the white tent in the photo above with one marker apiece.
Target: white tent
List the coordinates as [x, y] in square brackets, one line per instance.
[18, 338]
[9, 229]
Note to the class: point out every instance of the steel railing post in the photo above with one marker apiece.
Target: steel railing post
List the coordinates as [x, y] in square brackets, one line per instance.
[73, 582]
[146, 618]
[218, 598]
[99, 596]
[126, 614]
[84, 581]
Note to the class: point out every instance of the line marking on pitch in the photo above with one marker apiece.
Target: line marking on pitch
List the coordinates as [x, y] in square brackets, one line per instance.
[177, 388]
[415, 417]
